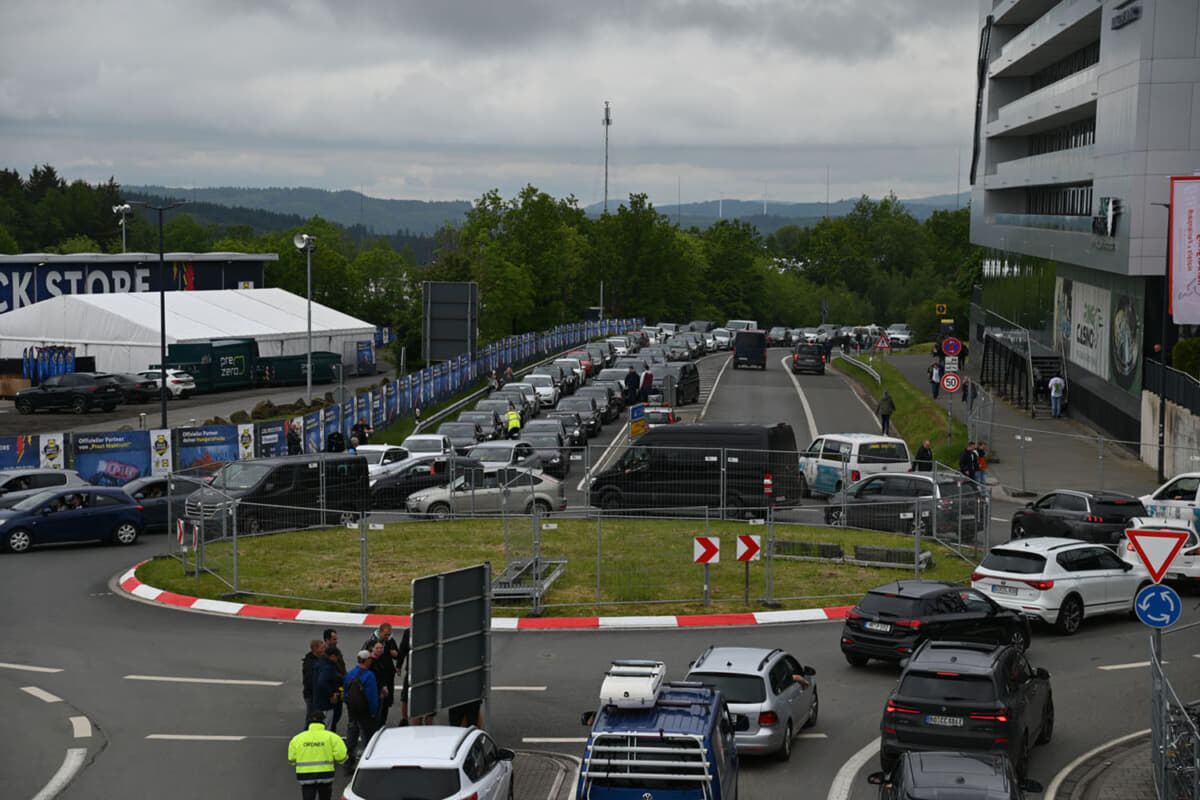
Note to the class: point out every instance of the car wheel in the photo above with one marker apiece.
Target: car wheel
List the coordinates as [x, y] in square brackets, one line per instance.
[126, 533]
[1047, 723]
[610, 500]
[1018, 530]
[439, 511]
[79, 405]
[18, 541]
[1020, 638]
[833, 516]
[24, 406]
[855, 660]
[1070, 616]
[541, 508]
[814, 711]
[252, 525]
[785, 748]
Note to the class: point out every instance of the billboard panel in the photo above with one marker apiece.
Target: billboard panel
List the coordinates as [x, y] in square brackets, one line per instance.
[450, 319]
[1185, 250]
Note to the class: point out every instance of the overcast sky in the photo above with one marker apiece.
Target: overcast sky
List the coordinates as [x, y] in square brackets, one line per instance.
[447, 99]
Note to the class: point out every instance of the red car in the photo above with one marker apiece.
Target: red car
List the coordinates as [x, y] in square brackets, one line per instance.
[585, 358]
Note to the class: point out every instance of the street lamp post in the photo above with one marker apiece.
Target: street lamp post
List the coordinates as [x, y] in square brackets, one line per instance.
[1162, 355]
[123, 210]
[162, 307]
[305, 244]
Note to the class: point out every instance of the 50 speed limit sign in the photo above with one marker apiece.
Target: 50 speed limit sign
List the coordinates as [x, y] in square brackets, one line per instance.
[950, 382]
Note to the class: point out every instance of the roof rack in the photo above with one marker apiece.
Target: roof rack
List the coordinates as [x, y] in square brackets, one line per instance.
[632, 683]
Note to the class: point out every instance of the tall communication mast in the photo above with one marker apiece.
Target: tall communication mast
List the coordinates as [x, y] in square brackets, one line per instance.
[607, 124]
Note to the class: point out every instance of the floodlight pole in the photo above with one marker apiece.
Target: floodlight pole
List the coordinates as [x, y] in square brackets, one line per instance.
[162, 307]
[306, 243]
[1162, 355]
[123, 210]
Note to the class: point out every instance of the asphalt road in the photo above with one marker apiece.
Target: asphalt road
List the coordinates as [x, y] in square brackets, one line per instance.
[163, 703]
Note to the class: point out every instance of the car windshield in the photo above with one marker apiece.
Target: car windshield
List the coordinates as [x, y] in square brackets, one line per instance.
[491, 452]
[943, 686]
[889, 605]
[575, 404]
[545, 440]
[34, 501]
[457, 429]
[1014, 561]
[423, 445]
[543, 381]
[240, 476]
[736, 688]
[373, 783]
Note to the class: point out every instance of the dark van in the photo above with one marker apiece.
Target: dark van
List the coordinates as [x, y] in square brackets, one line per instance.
[283, 492]
[750, 349]
[686, 378]
[731, 466]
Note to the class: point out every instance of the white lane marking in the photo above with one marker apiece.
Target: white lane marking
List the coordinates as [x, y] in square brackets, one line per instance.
[71, 764]
[1132, 665]
[812, 736]
[808, 415]
[555, 740]
[28, 667]
[41, 694]
[188, 737]
[840, 788]
[999, 519]
[1052, 789]
[518, 688]
[81, 727]
[713, 391]
[220, 681]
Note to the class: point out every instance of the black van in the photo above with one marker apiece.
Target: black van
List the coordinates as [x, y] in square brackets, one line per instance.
[687, 381]
[283, 492]
[750, 349]
[690, 464]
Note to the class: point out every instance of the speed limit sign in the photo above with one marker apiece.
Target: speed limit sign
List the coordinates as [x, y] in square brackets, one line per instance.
[950, 382]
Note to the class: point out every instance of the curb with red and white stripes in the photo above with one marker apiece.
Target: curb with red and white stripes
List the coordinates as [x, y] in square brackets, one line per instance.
[130, 583]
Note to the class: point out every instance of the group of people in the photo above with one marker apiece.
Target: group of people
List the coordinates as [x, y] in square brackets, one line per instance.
[972, 462]
[638, 389]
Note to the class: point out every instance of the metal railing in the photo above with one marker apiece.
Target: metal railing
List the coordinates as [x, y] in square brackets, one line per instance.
[1174, 733]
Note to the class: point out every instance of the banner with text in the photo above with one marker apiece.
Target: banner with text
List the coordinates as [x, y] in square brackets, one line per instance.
[1185, 250]
[112, 459]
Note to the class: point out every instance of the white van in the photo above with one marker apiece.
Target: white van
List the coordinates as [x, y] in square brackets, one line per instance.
[736, 325]
[834, 458]
[1175, 499]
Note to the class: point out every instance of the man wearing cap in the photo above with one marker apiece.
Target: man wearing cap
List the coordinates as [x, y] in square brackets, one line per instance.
[315, 754]
[362, 721]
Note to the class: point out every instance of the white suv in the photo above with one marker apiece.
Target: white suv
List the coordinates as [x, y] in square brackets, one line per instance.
[437, 762]
[899, 334]
[1059, 581]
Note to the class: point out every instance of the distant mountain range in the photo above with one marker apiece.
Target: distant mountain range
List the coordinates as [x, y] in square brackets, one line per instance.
[287, 208]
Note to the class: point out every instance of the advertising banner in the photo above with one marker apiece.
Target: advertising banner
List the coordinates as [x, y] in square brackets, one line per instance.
[390, 400]
[18, 451]
[331, 419]
[112, 459]
[376, 408]
[272, 438]
[366, 358]
[314, 439]
[1081, 329]
[362, 407]
[53, 454]
[246, 440]
[161, 458]
[347, 416]
[1185, 250]
[207, 446]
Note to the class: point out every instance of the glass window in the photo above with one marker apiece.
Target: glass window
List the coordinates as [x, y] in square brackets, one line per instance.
[105, 500]
[871, 487]
[950, 603]
[882, 453]
[1071, 502]
[736, 688]
[948, 687]
[1015, 561]
[406, 782]
[1046, 502]
[46, 479]
[975, 601]
[1179, 489]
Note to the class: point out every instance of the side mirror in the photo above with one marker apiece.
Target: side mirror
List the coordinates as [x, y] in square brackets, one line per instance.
[1030, 785]
[587, 718]
[809, 672]
[877, 778]
[1125, 565]
[1042, 673]
[508, 755]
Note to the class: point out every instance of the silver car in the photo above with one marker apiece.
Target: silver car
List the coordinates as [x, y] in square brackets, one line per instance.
[769, 689]
[491, 492]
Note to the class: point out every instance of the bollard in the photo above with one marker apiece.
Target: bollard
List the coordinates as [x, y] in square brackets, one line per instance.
[1100, 465]
[142, 421]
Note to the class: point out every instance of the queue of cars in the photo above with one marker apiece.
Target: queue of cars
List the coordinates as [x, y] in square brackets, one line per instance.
[80, 392]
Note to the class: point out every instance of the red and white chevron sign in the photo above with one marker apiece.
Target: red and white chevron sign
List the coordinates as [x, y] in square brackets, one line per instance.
[706, 550]
[749, 548]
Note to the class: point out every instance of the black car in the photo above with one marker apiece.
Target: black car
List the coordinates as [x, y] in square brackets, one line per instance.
[489, 421]
[576, 428]
[891, 621]
[463, 435]
[134, 388]
[161, 500]
[970, 697]
[808, 358]
[551, 450]
[587, 410]
[891, 501]
[605, 397]
[963, 776]
[392, 490]
[76, 391]
[1099, 517]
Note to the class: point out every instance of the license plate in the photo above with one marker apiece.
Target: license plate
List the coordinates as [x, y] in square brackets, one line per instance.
[1003, 589]
[945, 722]
[882, 627]
[576, 457]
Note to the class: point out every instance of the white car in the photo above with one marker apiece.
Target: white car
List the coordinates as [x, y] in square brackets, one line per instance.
[1175, 499]
[547, 392]
[1059, 581]
[620, 345]
[1185, 567]
[425, 444]
[382, 459]
[899, 335]
[179, 382]
[435, 762]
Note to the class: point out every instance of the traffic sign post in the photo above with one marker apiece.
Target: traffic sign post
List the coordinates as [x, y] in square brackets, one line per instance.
[951, 346]
[749, 548]
[883, 343]
[707, 550]
[1157, 549]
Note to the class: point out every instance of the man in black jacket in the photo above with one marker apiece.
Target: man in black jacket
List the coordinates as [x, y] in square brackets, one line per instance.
[388, 665]
[966, 461]
[308, 666]
[631, 386]
[924, 460]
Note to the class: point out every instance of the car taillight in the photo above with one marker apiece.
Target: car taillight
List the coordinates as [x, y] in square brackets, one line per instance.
[852, 614]
[999, 716]
[855, 475]
[896, 708]
[768, 718]
[1093, 518]
[911, 624]
[1041, 586]
[977, 576]
[141, 508]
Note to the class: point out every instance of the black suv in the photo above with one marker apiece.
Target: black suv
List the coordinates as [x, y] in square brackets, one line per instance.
[891, 621]
[964, 776]
[965, 696]
[808, 358]
[1097, 517]
[77, 391]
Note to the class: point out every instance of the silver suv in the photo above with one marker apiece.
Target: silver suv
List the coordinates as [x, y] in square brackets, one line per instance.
[769, 689]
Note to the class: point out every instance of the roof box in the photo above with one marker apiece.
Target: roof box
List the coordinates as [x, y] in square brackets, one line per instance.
[632, 684]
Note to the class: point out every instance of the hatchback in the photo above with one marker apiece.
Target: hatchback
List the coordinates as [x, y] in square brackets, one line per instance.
[1059, 581]
[161, 499]
[77, 514]
[489, 420]
[948, 503]
[382, 459]
[967, 696]
[463, 435]
[415, 474]
[435, 762]
[1089, 516]
[769, 688]
[808, 357]
[963, 776]
[18, 483]
[891, 621]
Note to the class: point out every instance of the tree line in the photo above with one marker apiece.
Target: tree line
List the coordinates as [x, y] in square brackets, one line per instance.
[542, 261]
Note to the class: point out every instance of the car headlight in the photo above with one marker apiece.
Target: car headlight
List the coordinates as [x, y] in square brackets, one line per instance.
[2, 521]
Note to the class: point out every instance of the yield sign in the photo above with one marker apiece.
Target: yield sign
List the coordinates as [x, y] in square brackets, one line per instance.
[883, 343]
[749, 547]
[707, 550]
[1157, 549]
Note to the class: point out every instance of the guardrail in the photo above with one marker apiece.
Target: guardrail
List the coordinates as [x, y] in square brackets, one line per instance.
[864, 367]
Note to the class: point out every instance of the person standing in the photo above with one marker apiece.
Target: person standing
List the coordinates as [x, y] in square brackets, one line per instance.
[388, 663]
[886, 407]
[361, 431]
[1057, 388]
[315, 754]
[981, 462]
[966, 461]
[647, 385]
[361, 693]
[508, 374]
[326, 688]
[512, 420]
[935, 378]
[631, 386]
[294, 445]
[330, 636]
[308, 669]
[924, 460]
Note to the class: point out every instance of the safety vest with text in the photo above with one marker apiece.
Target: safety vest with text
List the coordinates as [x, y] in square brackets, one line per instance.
[514, 420]
[315, 754]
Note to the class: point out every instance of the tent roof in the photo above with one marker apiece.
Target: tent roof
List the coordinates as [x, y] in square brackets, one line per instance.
[191, 316]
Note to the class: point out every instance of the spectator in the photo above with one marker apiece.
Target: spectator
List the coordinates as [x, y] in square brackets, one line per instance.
[966, 461]
[924, 460]
[331, 639]
[981, 462]
[361, 431]
[327, 692]
[631, 386]
[362, 704]
[1057, 388]
[293, 439]
[935, 378]
[886, 407]
[647, 385]
[391, 660]
[308, 668]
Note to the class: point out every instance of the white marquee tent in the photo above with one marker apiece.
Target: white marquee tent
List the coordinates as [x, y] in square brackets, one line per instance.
[122, 329]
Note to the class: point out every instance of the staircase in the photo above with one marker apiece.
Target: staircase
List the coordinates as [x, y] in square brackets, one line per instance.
[1044, 368]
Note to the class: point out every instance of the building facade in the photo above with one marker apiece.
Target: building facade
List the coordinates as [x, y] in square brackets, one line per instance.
[1085, 110]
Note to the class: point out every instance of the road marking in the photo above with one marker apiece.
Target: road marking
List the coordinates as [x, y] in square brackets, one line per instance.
[555, 740]
[813, 736]
[808, 415]
[1133, 665]
[28, 668]
[219, 681]
[81, 728]
[518, 688]
[189, 737]
[71, 764]
[999, 519]
[713, 390]
[840, 788]
[1052, 789]
[41, 694]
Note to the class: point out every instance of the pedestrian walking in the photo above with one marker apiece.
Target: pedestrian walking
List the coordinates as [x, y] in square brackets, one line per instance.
[1057, 388]
[924, 460]
[308, 668]
[508, 374]
[935, 378]
[981, 465]
[966, 461]
[330, 636]
[315, 754]
[885, 407]
[361, 694]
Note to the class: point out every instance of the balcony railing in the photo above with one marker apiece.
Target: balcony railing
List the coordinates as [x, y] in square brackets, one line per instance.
[1049, 222]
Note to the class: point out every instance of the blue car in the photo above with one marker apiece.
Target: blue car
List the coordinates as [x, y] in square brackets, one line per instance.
[78, 514]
